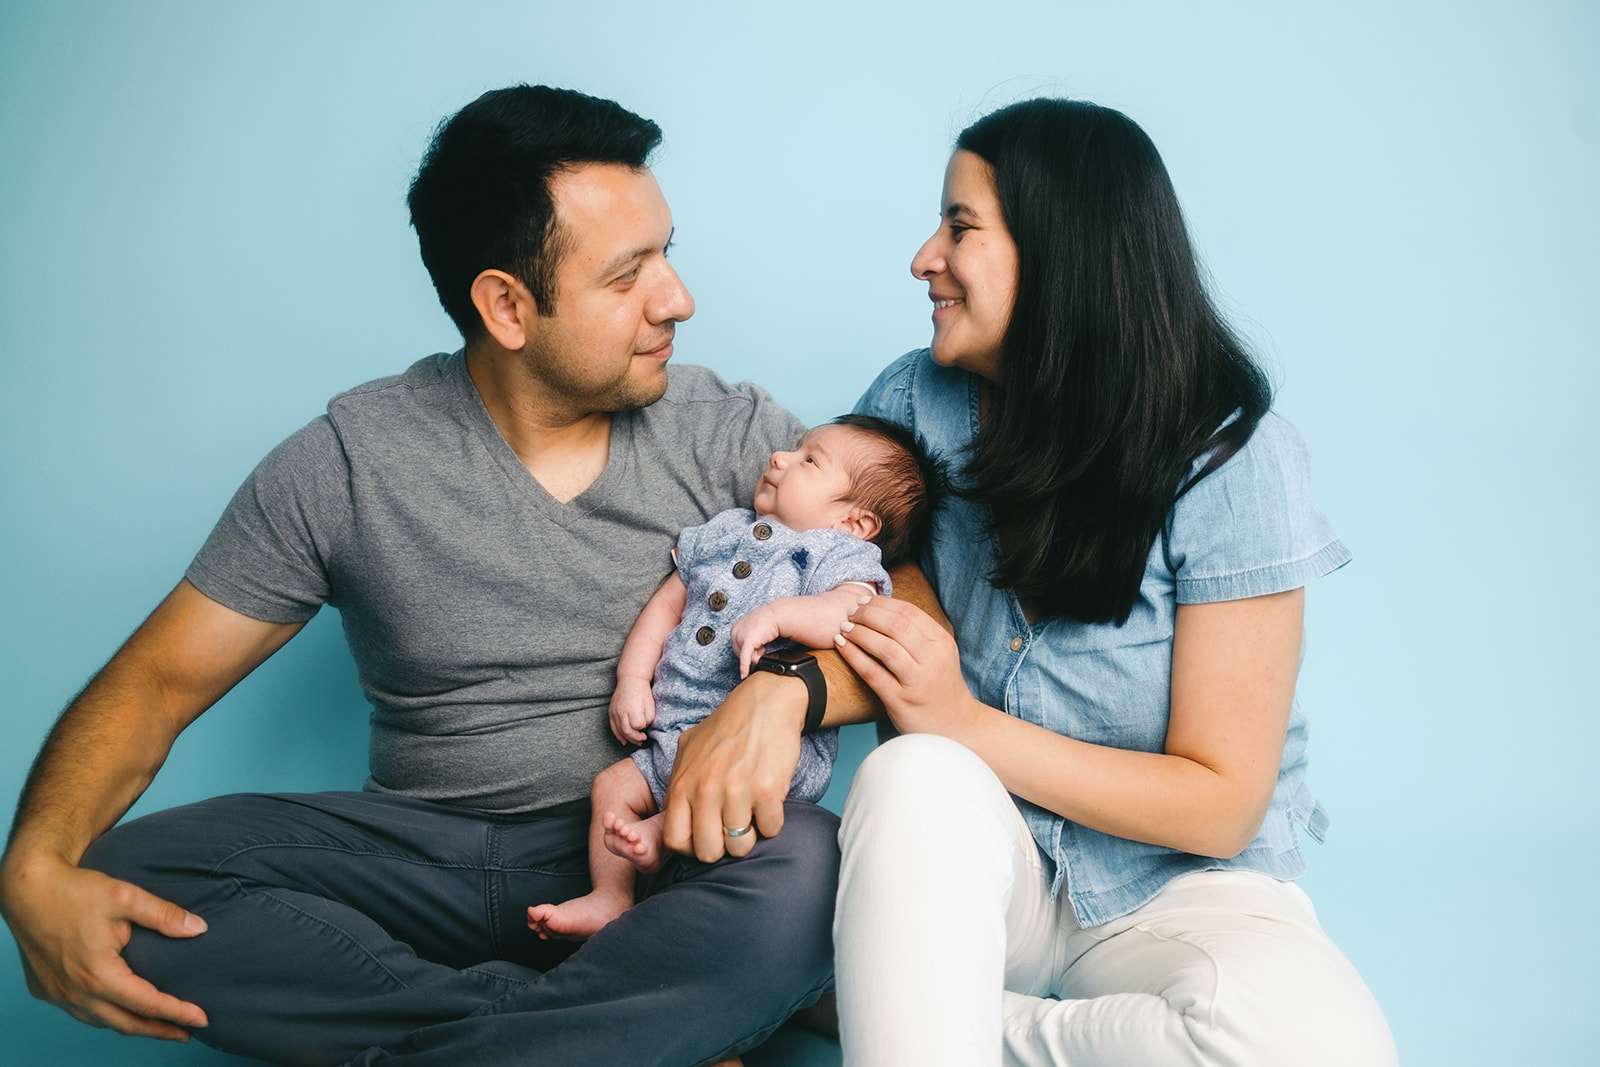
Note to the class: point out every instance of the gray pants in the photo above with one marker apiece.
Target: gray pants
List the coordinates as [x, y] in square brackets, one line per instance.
[360, 927]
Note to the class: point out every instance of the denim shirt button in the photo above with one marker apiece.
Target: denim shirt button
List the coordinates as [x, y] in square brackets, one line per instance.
[1016, 644]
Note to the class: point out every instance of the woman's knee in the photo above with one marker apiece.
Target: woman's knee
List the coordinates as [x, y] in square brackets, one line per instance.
[917, 778]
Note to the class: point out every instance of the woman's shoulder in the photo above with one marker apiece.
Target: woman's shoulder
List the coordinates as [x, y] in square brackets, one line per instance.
[1251, 526]
[916, 392]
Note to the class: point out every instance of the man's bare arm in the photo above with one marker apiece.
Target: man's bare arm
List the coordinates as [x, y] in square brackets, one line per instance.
[735, 767]
[71, 924]
[849, 699]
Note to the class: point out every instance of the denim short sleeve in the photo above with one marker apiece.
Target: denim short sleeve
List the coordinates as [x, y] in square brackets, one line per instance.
[890, 396]
[1250, 527]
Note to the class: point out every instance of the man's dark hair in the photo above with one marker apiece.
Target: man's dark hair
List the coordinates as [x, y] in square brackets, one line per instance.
[481, 198]
[903, 485]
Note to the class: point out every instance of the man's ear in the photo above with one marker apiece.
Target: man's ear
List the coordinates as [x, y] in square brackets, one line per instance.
[506, 308]
[861, 523]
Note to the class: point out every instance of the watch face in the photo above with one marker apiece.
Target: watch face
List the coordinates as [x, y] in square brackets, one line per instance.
[781, 666]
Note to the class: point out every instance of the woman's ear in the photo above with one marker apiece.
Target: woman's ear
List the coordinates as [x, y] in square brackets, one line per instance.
[506, 307]
[859, 522]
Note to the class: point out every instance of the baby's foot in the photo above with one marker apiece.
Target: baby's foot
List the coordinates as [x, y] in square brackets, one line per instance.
[637, 842]
[577, 919]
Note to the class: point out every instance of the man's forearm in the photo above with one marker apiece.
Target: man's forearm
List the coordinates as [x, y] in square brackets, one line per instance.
[106, 748]
[849, 698]
[101, 755]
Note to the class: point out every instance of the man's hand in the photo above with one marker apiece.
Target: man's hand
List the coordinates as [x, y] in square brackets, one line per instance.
[734, 769]
[633, 707]
[71, 926]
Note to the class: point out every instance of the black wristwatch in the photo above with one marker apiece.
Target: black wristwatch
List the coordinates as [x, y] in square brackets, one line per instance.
[804, 668]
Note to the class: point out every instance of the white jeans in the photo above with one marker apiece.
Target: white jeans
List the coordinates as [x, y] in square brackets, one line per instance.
[949, 950]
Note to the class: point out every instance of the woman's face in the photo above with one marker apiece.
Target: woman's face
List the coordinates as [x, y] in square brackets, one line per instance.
[970, 265]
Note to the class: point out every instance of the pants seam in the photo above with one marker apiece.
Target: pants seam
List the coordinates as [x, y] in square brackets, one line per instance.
[491, 887]
[339, 931]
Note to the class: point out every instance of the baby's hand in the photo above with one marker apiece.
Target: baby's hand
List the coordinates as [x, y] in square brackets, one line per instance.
[633, 707]
[751, 635]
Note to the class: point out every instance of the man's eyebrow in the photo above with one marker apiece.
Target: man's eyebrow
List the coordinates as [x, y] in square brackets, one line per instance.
[617, 262]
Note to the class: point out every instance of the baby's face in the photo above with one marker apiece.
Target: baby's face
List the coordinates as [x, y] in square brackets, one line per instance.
[805, 489]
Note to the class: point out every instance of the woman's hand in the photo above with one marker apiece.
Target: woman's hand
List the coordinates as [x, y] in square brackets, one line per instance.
[911, 662]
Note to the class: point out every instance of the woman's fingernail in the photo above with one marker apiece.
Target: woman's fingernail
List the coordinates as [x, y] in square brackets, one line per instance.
[838, 639]
[846, 627]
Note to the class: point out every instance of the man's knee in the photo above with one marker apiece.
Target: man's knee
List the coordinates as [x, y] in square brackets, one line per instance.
[168, 849]
[134, 851]
[792, 878]
[808, 846]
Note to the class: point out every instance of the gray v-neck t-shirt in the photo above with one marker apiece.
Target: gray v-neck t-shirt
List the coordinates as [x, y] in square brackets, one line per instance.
[484, 616]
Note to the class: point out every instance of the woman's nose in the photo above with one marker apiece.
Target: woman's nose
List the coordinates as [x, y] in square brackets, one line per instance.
[929, 259]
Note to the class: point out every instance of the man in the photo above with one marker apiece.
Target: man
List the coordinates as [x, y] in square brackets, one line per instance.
[488, 525]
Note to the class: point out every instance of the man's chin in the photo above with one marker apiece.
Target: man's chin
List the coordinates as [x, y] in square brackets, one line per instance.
[643, 392]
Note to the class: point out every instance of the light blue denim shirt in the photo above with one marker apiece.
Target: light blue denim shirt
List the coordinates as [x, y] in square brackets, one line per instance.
[1248, 529]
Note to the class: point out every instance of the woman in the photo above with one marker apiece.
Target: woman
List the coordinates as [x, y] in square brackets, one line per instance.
[1124, 568]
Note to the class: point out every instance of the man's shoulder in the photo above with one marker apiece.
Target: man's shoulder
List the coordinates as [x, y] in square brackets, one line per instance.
[689, 385]
[425, 375]
[700, 402]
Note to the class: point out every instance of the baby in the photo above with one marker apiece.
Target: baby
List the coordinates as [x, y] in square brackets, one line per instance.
[852, 498]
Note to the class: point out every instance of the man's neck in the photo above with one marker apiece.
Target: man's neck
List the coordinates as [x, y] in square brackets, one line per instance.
[563, 448]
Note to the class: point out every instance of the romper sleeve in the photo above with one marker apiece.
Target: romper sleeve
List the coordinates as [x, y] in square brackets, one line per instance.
[836, 558]
[1250, 527]
[269, 555]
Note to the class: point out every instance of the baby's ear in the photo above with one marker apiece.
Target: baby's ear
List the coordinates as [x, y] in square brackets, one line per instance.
[860, 522]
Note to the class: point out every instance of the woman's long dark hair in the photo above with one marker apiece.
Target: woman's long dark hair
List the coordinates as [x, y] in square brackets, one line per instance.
[1116, 372]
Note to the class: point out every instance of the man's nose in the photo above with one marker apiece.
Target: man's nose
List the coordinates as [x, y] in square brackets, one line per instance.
[672, 302]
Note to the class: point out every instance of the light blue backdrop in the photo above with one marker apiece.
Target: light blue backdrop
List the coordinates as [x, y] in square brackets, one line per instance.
[202, 237]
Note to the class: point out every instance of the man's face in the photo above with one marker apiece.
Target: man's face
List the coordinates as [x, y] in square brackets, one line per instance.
[617, 298]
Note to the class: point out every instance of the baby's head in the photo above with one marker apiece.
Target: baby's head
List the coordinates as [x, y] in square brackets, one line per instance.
[869, 477]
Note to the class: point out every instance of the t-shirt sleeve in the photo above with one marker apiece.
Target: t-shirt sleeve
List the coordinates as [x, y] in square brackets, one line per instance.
[743, 439]
[1250, 527]
[269, 555]
[837, 558]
